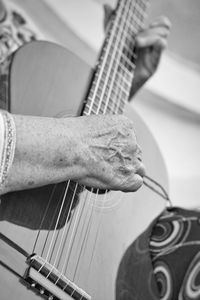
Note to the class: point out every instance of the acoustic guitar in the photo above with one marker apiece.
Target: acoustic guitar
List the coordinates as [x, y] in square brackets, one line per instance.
[66, 241]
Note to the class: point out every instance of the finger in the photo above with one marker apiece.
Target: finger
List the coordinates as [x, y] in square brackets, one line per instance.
[161, 21]
[141, 170]
[160, 45]
[137, 182]
[155, 53]
[144, 42]
[150, 37]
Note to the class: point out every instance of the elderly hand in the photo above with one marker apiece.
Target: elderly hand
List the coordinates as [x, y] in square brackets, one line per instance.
[109, 153]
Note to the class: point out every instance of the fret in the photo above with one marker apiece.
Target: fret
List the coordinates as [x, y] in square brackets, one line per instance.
[123, 78]
[92, 111]
[126, 60]
[137, 16]
[118, 89]
[113, 39]
[142, 3]
[135, 25]
[118, 110]
[125, 75]
[119, 106]
[140, 10]
[114, 92]
[128, 48]
[103, 86]
[127, 36]
[127, 63]
[109, 94]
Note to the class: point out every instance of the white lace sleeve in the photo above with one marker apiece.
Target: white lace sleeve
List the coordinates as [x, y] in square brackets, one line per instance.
[7, 145]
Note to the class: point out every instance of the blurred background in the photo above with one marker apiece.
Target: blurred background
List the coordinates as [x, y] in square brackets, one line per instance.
[170, 101]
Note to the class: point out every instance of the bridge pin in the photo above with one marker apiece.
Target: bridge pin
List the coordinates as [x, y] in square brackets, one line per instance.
[41, 291]
[33, 284]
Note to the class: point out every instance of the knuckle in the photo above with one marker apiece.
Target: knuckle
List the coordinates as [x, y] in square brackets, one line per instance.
[161, 21]
[141, 170]
[166, 22]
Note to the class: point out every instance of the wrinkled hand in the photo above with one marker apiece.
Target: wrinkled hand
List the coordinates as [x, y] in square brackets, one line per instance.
[150, 44]
[109, 154]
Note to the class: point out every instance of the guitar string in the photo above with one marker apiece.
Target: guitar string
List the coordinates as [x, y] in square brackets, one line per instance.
[96, 195]
[65, 220]
[72, 235]
[75, 211]
[164, 195]
[154, 182]
[55, 228]
[163, 192]
[76, 274]
[104, 70]
[111, 86]
[79, 217]
[98, 226]
[130, 45]
[43, 219]
[103, 93]
[102, 66]
[63, 238]
[71, 242]
[82, 244]
[57, 221]
[62, 235]
[56, 211]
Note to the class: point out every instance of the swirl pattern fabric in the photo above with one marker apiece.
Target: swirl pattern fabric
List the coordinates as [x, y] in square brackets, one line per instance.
[164, 262]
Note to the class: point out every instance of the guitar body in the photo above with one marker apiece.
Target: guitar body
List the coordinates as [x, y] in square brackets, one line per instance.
[108, 223]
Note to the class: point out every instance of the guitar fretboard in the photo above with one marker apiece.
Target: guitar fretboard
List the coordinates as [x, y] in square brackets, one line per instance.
[114, 74]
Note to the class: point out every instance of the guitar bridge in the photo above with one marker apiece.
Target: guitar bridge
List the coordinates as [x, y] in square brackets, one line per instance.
[48, 281]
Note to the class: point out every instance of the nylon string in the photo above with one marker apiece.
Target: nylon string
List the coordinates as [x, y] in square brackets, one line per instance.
[117, 107]
[89, 223]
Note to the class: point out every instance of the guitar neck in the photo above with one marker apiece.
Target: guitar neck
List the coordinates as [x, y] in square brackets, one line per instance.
[114, 74]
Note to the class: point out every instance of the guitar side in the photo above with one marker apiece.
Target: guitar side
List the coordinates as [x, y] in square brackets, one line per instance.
[37, 89]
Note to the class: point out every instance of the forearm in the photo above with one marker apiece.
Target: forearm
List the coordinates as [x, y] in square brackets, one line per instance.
[46, 152]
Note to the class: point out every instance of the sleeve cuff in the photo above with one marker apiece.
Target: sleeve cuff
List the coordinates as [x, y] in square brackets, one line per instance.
[7, 145]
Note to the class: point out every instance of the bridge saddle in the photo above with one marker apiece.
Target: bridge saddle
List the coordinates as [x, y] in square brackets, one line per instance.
[48, 281]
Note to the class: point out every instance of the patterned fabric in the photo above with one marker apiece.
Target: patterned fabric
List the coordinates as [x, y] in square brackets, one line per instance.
[164, 262]
[14, 32]
[7, 145]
